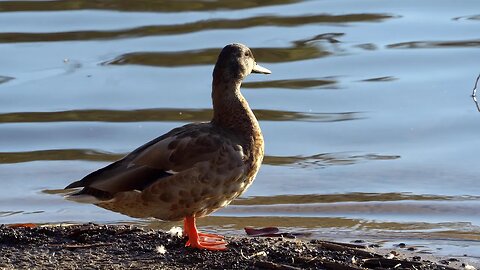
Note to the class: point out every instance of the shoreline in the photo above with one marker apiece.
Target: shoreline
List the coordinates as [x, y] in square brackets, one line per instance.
[91, 246]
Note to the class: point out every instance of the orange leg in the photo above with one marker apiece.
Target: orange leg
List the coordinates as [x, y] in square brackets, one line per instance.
[202, 236]
[202, 240]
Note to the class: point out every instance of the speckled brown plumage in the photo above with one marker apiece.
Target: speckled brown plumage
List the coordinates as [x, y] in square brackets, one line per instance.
[195, 169]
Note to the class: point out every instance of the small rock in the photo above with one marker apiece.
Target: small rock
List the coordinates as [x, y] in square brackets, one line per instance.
[444, 262]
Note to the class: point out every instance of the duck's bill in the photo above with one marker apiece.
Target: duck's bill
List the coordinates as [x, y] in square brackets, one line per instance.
[259, 69]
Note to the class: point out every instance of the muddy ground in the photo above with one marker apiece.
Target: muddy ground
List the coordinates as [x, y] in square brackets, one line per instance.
[92, 246]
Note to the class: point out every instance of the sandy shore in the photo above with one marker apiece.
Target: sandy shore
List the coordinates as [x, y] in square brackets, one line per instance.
[92, 246]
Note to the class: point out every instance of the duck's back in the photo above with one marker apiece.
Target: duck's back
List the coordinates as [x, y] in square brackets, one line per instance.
[191, 170]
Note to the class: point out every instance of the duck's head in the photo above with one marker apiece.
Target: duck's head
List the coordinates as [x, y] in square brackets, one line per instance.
[235, 62]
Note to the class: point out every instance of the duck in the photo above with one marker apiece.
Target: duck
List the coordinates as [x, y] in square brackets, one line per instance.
[192, 170]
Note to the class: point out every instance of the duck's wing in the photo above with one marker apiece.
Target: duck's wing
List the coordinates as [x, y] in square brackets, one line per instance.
[176, 151]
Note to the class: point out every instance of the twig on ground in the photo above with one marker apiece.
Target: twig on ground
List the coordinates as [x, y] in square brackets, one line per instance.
[328, 264]
[77, 246]
[346, 247]
[274, 266]
[474, 93]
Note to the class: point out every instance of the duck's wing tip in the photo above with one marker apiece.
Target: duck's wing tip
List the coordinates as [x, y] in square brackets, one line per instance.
[89, 195]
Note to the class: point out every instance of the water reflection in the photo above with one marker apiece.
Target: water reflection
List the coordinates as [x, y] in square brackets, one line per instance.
[239, 223]
[329, 37]
[435, 44]
[293, 84]
[426, 211]
[472, 17]
[4, 79]
[58, 154]
[166, 115]
[347, 197]
[367, 46]
[314, 161]
[324, 160]
[203, 25]
[297, 52]
[139, 5]
[380, 79]
[9, 213]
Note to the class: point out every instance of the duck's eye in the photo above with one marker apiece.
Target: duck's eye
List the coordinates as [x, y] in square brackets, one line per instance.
[247, 54]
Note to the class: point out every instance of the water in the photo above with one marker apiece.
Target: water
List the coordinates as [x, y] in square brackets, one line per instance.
[370, 129]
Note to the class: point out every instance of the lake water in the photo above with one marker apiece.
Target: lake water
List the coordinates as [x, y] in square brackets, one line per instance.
[370, 129]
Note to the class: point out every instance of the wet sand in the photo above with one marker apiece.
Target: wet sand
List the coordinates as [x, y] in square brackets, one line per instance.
[91, 246]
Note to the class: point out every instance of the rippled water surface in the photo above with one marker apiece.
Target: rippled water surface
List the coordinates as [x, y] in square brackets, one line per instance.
[370, 129]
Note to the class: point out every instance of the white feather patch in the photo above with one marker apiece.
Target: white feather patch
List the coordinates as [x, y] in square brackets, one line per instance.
[161, 249]
[176, 231]
[85, 198]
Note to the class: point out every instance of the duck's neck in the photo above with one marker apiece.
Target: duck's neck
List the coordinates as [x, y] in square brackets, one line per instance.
[231, 111]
